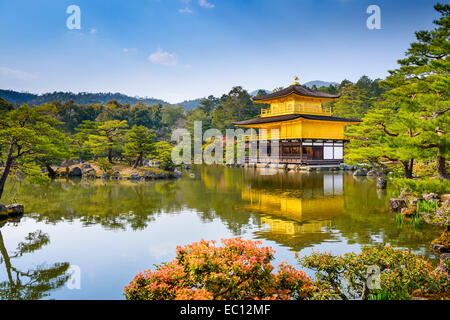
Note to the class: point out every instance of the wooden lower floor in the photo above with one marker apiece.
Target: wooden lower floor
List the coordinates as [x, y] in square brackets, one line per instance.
[298, 151]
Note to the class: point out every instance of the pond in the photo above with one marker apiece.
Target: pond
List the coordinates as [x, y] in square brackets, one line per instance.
[104, 233]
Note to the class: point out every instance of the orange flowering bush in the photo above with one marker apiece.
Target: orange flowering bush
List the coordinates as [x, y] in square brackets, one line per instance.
[400, 273]
[240, 269]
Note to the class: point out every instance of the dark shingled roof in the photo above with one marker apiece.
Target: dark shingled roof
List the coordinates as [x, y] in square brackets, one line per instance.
[298, 89]
[288, 117]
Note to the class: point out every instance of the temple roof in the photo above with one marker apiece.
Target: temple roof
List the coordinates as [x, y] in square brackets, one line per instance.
[288, 117]
[297, 89]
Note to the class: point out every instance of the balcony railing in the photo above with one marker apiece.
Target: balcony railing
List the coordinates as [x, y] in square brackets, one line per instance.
[289, 109]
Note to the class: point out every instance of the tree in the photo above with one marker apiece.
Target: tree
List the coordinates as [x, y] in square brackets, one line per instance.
[171, 115]
[240, 270]
[235, 106]
[140, 144]
[197, 115]
[28, 134]
[353, 102]
[163, 153]
[421, 86]
[103, 137]
[5, 106]
[385, 135]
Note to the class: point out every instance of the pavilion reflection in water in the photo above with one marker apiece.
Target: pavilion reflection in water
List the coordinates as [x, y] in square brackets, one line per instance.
[299, 219]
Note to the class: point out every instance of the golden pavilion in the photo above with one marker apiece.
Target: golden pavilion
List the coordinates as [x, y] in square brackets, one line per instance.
[308, 134]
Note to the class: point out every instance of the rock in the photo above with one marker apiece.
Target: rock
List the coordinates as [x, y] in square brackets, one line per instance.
[431, 197]
[161, 176]
[116, 175]
[3, 211]
[15, 209]
[88, 172]
[443, 211]
[396, 205]
[408, 212]
[135, 176]
[85, 166]
[105, 175]
[177, 174]
[371, 173]
[360, 173]
[68, 163]
[444, 262]
[75, 172]
[439, 248]
[445, 197]
[381, 183]
[149, 175]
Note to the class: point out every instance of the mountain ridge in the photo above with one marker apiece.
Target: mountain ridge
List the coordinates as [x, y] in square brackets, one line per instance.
[17, 97]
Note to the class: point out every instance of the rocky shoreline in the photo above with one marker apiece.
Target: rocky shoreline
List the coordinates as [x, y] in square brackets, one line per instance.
[434, 209]
[118, 172]
[11, 211]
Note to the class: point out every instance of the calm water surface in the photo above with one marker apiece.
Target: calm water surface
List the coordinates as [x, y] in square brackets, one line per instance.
[113, 230]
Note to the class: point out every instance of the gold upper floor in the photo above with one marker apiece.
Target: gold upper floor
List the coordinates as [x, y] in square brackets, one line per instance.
[296, 105]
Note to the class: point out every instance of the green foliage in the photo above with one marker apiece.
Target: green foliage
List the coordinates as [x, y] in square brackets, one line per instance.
[401, 273]
[5, 106]
[163, 153]
[353, 102]
[427, 206]
[411, 121]
[103, 138]
[28, 137]
[235, 106]
[140, 144]
[421, 186]
[104, 165]
[240, 270]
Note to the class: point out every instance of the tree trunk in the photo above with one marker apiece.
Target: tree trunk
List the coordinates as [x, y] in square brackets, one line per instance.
[8, 165]
[110, 156]
[80, 154]
[138, 161]
[6, 259]
[440, 164]
[408, 168]
[51, 172]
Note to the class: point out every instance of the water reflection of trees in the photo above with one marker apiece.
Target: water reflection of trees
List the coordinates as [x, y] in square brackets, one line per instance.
[113, 205]
[306, 208]
[30, 284]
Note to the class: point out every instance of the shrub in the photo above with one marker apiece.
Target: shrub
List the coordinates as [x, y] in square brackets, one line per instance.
[401, 272]
[104, 165]
[421, 186]
[238, 270]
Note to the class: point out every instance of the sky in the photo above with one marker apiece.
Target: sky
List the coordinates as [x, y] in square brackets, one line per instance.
[185, 49]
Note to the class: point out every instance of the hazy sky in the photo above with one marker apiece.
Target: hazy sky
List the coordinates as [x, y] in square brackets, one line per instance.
[185, 49]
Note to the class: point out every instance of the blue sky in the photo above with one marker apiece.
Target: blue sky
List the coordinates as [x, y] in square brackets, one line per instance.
[185, 49]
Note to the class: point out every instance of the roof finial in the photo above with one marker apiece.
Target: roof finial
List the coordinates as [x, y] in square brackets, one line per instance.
[296, 83]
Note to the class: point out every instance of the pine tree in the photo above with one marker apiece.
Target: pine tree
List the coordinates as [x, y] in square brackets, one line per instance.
[353, 102]
[29, 136]
[421, 88]
[140, 144]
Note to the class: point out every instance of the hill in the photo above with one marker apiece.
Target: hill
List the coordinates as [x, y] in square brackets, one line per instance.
[319, 83]
[79, 98]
